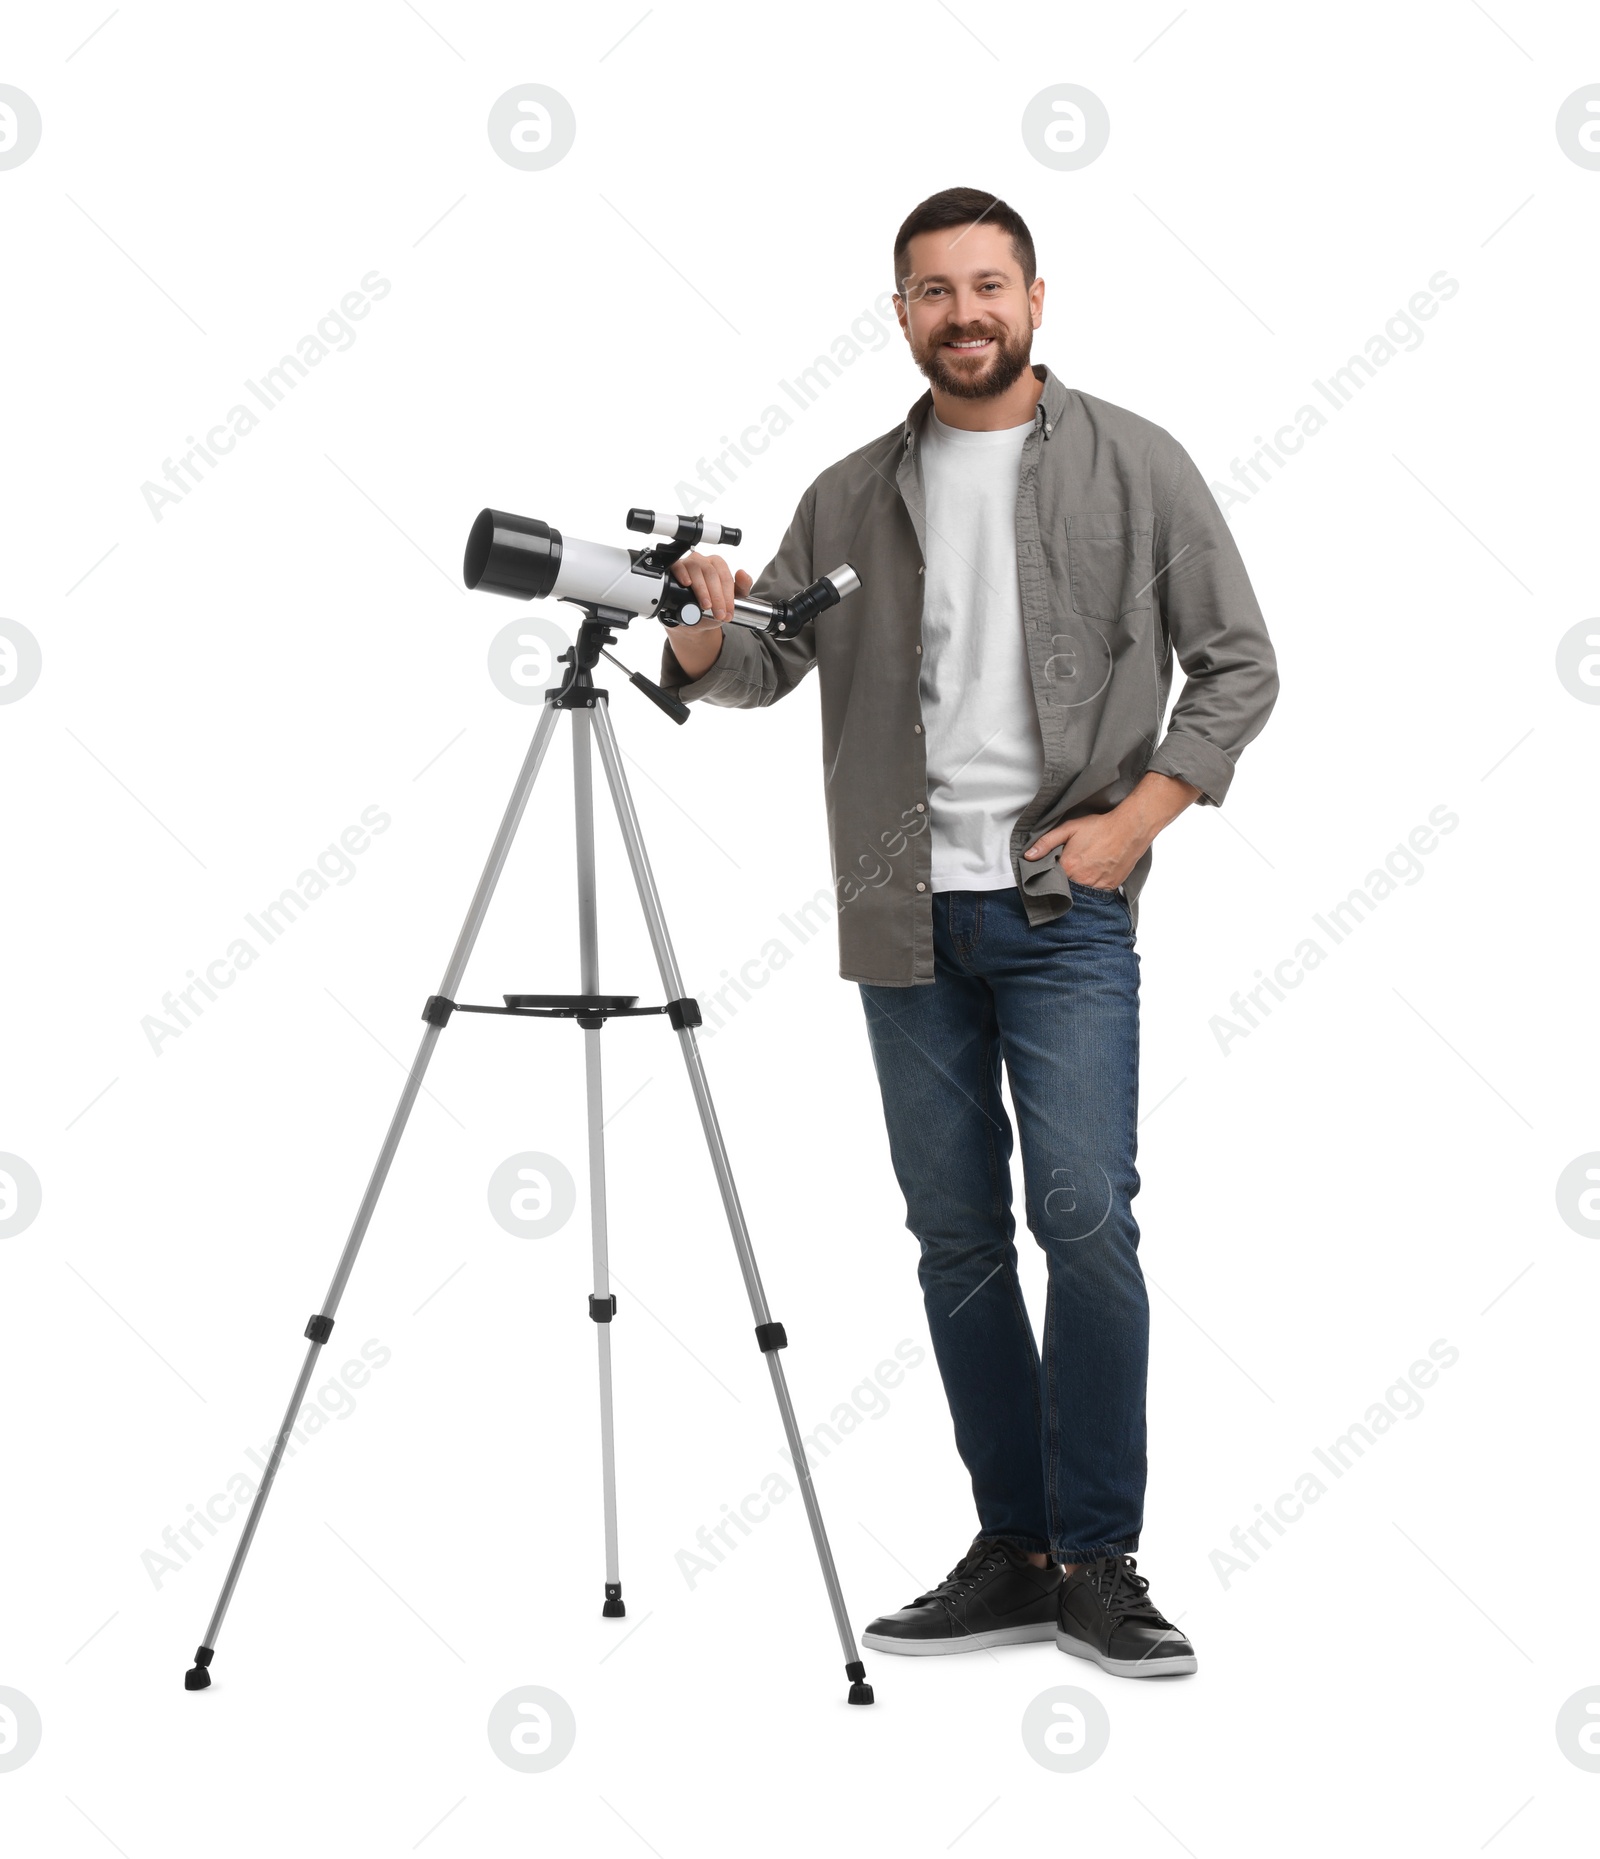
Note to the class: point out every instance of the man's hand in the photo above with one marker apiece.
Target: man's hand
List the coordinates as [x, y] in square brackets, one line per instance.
[714, 586]
[1100, 849]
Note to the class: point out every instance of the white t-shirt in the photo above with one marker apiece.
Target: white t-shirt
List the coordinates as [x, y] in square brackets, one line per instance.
[985, 754]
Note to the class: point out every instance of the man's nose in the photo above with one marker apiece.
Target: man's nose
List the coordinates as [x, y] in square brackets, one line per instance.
[973, 311]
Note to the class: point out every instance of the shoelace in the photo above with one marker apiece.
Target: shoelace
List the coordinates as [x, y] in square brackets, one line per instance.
[979, 1560]
[1123, 1591]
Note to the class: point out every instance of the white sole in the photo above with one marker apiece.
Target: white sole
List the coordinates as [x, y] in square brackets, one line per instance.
[1147, 1667]
[969, 1642]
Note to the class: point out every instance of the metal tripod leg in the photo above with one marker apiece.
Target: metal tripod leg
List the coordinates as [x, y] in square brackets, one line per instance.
[321, 1325]
[769, 1334]
[602, 1304]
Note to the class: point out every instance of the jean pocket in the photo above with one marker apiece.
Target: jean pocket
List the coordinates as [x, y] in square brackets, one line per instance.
[1109, 560]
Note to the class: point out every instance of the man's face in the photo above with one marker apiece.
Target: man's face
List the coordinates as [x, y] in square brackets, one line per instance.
[966, 312]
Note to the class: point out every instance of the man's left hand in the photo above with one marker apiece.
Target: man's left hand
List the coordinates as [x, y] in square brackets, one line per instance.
[1100, 849]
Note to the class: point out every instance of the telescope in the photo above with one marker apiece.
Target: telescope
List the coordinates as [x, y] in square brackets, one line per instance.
[528, 560]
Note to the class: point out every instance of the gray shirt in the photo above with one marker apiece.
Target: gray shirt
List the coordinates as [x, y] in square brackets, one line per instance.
[1123, 562]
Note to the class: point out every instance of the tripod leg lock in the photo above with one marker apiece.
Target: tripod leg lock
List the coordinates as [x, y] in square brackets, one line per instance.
[603, 1309]
[319, 1329]
[771, 1336]
[682, 1013]
[437, 1010]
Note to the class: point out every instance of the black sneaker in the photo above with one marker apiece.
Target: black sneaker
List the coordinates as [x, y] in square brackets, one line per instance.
[994, 1596]
[1107, 1615]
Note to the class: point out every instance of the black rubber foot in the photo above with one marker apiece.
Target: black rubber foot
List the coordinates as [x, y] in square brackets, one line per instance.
[860, 1693]
[196, 1678]
[613, 1609]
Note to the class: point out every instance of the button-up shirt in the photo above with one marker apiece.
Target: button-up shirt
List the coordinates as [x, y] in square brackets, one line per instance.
[1124, 561]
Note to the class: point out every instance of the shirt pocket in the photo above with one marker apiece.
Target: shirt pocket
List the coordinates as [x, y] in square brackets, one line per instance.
[1109, 556]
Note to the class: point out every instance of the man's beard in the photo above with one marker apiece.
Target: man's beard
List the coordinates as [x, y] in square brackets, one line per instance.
[964, 382]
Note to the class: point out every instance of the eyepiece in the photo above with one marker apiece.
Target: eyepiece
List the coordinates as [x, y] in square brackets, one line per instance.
[826, 591]
[514, 555]
[785, 618]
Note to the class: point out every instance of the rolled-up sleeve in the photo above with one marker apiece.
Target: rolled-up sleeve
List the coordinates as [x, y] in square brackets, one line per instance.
[754, 669]
[1215, 627]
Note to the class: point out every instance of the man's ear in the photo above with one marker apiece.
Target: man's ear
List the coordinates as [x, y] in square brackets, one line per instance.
[1036, 299]
[900, 315]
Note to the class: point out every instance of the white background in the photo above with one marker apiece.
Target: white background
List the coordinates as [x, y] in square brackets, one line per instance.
[223, 692]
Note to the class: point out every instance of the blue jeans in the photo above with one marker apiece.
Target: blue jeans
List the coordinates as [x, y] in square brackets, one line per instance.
[1056, 1449]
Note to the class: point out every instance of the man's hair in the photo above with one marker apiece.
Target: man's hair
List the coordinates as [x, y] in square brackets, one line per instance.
[963, 206]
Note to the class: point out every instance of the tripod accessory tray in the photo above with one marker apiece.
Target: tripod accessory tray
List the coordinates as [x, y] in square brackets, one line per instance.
[589, 1010]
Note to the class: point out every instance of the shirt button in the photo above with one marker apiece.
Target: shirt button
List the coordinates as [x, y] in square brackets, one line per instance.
[916, 729]
[922, 887]
[919, 571]
[921, 808]
[919, 651]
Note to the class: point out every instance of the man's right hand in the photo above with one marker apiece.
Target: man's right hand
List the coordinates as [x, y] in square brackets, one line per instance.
[715, 587]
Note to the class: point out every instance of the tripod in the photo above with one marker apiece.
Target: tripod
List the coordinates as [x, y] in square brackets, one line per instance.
[591, 1009]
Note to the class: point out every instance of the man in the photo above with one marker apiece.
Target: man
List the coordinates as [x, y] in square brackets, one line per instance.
[1031, 559]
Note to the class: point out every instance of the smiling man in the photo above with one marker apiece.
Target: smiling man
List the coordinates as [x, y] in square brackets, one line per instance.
[1032, 560]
